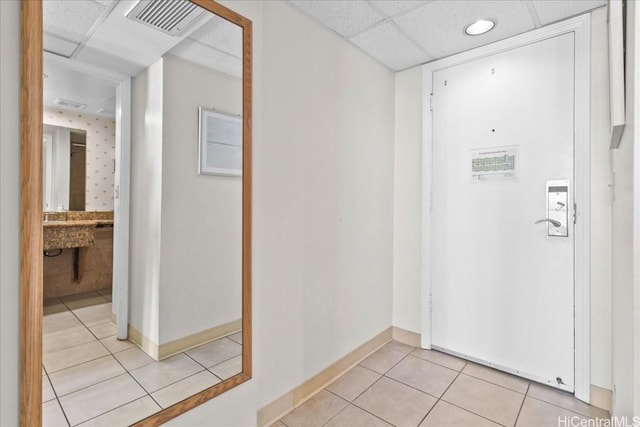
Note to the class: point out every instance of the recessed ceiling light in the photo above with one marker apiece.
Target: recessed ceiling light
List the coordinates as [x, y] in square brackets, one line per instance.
[481, 26]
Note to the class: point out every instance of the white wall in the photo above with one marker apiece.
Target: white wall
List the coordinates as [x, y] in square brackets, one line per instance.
[623, 247]
[201, 231]
[407, 200]
[323, 191]
[407, 203]
[600, 204]
[146, 201]
[9, 209]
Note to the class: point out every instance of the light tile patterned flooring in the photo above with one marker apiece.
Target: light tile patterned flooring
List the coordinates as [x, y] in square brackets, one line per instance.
[90, 378]
[399, 385]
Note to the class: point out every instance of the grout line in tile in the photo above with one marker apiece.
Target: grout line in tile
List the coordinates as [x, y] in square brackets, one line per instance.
[522, 404]
[81, 363]
[119, 406]
[57, 399]
[64, 414]
[440, 364]
[185, 353]
[356, 406]
[443, 393]
[385, 372]
[99, 324]
[224, 361]
[212, 373]
[471, 412]
[90, 385]
[114, 408]
[340, 411]
[497, 385]
[562, 407]
[437, 364]
[410, 386]
[175, 382]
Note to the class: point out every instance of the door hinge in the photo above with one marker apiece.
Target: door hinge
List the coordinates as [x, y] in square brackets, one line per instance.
[575, 212]
[431, 102]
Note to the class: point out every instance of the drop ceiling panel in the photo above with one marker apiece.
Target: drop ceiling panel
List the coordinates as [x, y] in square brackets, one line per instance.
[70, 19]
[58, 46]
[385, 43]
[555, 10]
[344, 17]
[220, 34]
[395, 7]
[65, 83]
[210, 58]
[438, 27]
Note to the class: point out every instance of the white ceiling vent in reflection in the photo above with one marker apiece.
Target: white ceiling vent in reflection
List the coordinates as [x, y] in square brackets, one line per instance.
[168, 16]
[69, 104]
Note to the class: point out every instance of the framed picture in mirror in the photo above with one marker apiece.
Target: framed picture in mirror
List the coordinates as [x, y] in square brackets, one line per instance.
[220, 143]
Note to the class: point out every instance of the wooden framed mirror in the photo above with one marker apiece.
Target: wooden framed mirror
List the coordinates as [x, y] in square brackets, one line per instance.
[32, 226]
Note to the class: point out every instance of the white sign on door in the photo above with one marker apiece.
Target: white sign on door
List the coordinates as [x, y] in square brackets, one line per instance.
[494, 164]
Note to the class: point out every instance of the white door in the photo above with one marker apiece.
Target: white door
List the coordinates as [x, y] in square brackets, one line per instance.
[503, 144]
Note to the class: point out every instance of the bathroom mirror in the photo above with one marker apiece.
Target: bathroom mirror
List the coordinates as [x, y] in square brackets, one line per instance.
[64, 169]
[189, 298]
[85, 104]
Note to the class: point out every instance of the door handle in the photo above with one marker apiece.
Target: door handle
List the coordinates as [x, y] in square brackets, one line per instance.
[552, 221]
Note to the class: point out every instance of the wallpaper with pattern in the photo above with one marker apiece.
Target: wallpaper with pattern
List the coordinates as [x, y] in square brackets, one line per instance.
[101, 147]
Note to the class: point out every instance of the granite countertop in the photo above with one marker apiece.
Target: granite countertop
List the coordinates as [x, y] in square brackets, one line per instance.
[78, 223]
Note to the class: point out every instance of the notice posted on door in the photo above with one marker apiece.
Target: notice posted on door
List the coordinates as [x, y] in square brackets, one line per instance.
[494, 164]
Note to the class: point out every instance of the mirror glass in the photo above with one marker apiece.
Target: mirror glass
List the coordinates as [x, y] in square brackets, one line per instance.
[84, 106]
[64, 168]
[183, 111]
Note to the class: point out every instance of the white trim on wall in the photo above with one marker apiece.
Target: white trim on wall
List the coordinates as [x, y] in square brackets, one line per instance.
[635, 55]
[581, 27]
[121, 202]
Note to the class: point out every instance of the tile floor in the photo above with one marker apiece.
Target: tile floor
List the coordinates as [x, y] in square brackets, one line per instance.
[90, 378]
[399, 385]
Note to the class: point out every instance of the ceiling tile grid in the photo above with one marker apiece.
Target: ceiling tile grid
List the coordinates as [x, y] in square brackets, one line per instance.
[220, 34]
[208, 57]
[555, 10]
[404, 33]
[346, 18]
[439, 26]
[70, 19]
[393, 8]
[385, 43]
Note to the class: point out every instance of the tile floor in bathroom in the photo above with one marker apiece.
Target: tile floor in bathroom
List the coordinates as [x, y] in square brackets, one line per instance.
[399, 385]
[90, 378]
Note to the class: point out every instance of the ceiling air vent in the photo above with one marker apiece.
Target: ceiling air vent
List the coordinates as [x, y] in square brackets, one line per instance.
[168, 16]
[69, 104]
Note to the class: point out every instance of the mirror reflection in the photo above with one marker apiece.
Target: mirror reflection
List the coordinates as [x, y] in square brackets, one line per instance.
[125, 69]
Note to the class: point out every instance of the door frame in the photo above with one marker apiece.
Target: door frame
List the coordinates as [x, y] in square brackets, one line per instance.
[581, 27]
[122, 183]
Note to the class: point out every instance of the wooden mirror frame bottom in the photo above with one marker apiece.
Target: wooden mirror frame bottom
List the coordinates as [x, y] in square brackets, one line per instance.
[31, 231]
